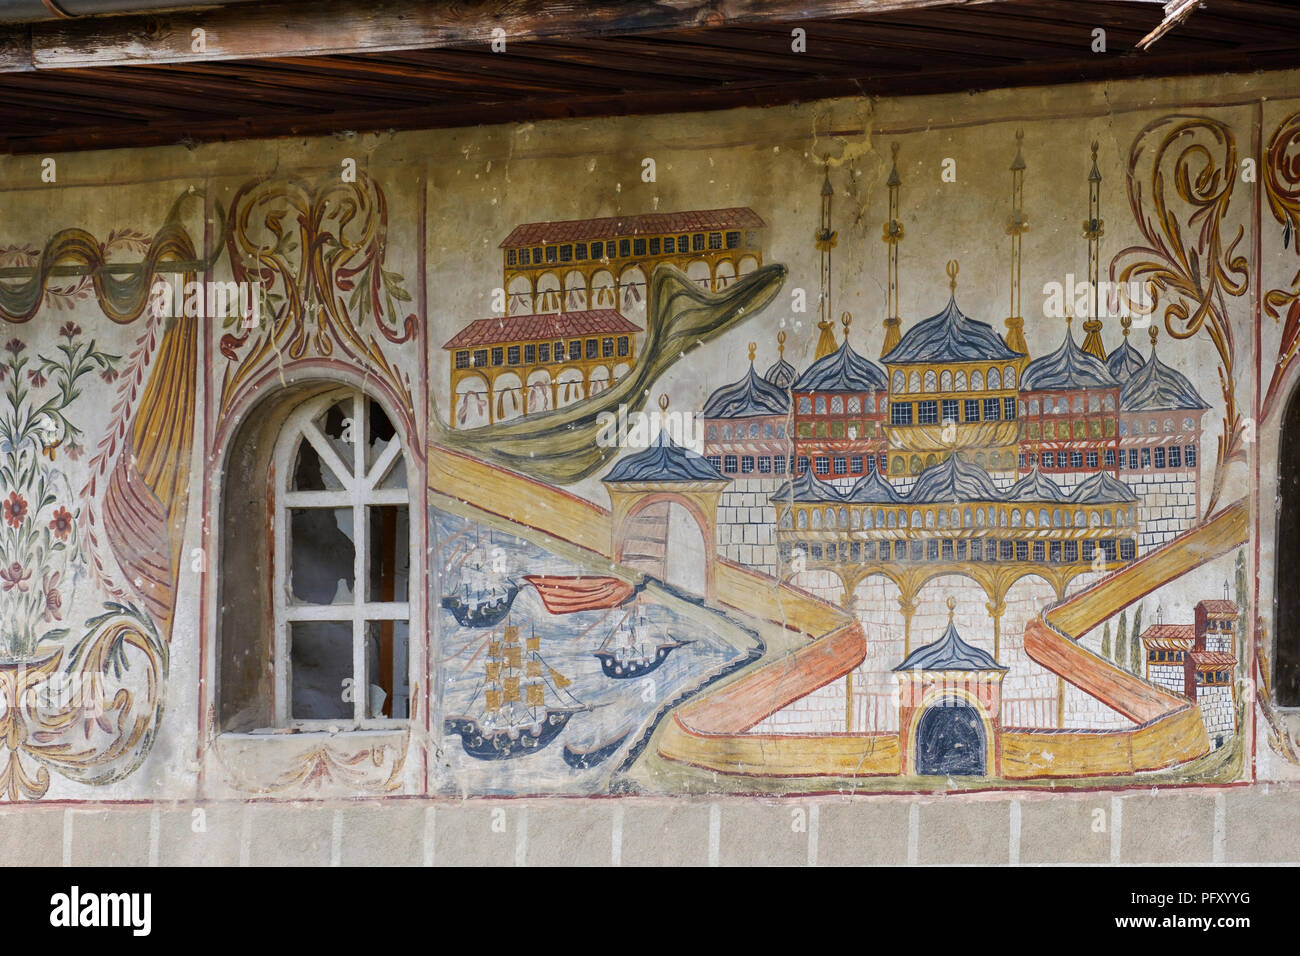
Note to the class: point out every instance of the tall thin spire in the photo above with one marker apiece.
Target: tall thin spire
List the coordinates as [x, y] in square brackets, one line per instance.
[1093, 229]
[825, 240]
[1016, 228]
[893, 235]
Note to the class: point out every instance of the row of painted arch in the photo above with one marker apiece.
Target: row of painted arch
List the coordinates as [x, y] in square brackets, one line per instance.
[859, 518]
[508, 396]
[606, 289]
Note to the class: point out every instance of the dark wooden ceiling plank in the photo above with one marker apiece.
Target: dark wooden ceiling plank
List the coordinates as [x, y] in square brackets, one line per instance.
[469, 113]
[340, 26]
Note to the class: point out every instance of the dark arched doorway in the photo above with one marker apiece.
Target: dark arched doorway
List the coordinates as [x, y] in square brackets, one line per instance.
[1286, 607]
[950, 740]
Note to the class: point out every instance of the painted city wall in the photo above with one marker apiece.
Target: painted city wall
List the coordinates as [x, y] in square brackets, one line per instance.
[923, 444]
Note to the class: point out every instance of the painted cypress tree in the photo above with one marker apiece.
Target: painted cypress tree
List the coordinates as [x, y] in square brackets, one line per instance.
[1105, 641]
[1121, 635]
[1135, 643]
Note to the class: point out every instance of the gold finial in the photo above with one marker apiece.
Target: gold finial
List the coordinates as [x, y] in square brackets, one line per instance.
[1125, 321]
[1095, 147]
[846, 319]
[893, 151]
[1154, 332]
[952, 274]
[952, 608]
[752, 347]
[780, 343]
[663, 401]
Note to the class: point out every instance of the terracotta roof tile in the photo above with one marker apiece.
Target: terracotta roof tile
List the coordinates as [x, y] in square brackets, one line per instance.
[1213, 659]
[648, 224]
[541, 328]
[1219, 607]
[1176, 632]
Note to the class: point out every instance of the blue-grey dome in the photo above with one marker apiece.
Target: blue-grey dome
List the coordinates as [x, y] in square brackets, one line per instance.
[873, 489]
[949, 653]
[806, 488]
[782, 374]
[1103, 488]
[664, 460]
[1124, 362]
[844, 370]
[1035, 486]
[1067, 369]
[954, 480]
[950, 336]
[752, 395]
[1157, 387]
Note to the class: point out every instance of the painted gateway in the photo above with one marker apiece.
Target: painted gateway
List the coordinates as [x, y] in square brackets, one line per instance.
[493, 494]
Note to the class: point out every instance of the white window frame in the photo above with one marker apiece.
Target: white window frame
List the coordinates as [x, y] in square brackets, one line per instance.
[357, 495]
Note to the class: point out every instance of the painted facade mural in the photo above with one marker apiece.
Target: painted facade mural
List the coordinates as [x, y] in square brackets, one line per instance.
[916, 455]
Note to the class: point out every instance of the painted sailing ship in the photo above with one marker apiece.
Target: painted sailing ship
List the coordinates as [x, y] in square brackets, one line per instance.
[632, 650]
[516, 718]
[484, 594]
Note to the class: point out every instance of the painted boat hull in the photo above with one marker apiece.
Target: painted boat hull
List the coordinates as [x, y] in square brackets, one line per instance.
[499, 744]
[625, 670]
[486, 615]
[586, 759]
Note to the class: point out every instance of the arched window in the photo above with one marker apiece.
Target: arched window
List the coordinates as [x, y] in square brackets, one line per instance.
[712, 433]
[1094, 403]
[805, 405]
[930, 381]
[945, 381]
[318, 608]
[1109, 404]
[959, 384]
[821, 404]
[994, 379]
[977, 381]
[837, 405]
[855, 405]
[726, 431]
[753, 429]
[1033, 406]
[900, 381]
[1008, 377]
[914, 382]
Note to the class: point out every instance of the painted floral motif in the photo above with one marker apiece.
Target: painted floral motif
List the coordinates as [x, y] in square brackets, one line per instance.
[40, 548]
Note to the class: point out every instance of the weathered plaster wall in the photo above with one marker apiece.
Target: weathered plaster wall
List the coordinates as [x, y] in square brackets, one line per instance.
[139, 447]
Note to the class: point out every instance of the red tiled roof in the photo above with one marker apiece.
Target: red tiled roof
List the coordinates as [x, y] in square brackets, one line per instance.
[1213, 659]
[541, 327]
[648, 224]
[1170, 632]
[1219, 607]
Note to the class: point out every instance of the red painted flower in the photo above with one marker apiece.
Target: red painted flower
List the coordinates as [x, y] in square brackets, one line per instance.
[73, 451]
[70, 330]
[37, 377]
[53, 599]
[15, 346]
[108, 374]
[62, 523]
[15, 577]
[15, 509]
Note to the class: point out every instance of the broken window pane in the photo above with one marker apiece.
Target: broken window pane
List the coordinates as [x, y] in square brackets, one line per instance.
[390, 552]
[320, 662]
[322, 555]
[310, 474]
[388, 691]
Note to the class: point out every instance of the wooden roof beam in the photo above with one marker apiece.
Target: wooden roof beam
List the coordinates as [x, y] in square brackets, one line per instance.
[343, 26]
